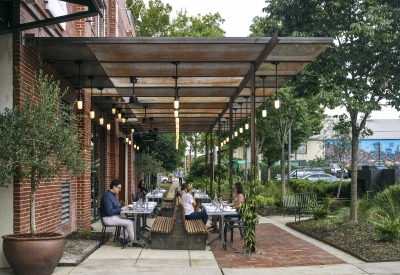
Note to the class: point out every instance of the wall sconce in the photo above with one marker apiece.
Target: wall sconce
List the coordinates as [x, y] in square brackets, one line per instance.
[79, 103]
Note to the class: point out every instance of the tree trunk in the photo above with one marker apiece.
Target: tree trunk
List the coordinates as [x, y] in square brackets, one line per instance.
[32, 207]
[269, 173]
[340, 183]
[283, 172]
[354, 161]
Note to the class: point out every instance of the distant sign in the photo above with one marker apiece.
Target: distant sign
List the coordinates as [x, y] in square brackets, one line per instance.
[57, 8]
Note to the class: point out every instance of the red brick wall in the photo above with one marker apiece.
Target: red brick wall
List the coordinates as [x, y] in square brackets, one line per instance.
[27, 61]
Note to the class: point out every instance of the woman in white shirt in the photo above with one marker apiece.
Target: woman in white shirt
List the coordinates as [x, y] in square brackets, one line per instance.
[188, 206]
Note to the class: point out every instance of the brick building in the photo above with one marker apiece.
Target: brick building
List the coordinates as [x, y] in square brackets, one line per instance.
[111, 157]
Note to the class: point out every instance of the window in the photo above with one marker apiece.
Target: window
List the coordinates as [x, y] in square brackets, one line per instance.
[65, 202]
[302, 149]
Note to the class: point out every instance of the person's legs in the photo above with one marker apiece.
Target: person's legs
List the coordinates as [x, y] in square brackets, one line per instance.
[180, 181]
[198, 216]
[127, 223]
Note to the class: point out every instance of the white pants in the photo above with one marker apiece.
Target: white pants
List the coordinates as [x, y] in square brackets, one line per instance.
[118, 220]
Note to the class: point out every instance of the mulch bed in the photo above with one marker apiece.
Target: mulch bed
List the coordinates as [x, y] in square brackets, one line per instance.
[357, 239]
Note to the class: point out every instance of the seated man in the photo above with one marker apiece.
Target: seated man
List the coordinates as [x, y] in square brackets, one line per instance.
[189, 203]
[110, 213]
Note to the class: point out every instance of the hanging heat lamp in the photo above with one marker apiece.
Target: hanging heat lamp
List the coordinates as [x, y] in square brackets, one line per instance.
[133, 98]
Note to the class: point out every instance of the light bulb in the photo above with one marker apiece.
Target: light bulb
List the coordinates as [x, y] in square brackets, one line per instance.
[176, 103]
[126, 140]
[227, 139]
[264, 112]
[119, 115]
[134, 146]
[113, 110]
[130, 142]
[224, 141]
[79, 104]
[137, 147]
[246, 126]
[277, 103]
[241, 129]
[108, 126]
[101, 120]
[222, 144]
[133, 130]
[176, 113]
[236, 133]
[92, 114]
[123, 120]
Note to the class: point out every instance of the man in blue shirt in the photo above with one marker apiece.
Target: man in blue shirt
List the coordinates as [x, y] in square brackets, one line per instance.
[180, 176]
[110, 213]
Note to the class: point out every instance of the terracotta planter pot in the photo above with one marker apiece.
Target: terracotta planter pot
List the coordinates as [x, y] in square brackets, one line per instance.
[33, 256]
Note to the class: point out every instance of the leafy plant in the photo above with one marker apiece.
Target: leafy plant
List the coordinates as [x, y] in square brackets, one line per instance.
[320, 210]
[40, 140]
[387, 229]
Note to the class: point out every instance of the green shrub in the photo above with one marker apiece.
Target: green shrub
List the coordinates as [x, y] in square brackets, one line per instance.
[387, 202]
[388, 230]
[319, 210]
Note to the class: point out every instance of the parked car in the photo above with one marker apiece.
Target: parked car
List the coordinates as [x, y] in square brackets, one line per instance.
[337, 171]
[320, 176]
[165, 179]
[301, 172]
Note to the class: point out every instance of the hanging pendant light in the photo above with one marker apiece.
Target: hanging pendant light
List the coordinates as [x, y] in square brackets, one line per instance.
[227, 129]
[133, 98]
[246, 126]
[137, 147]
[92, 113]
[130, 142]
[119, 113]
[241, 127]
[132, 130]
[176, 98]
[79, 103]
[264, 109]
[108, 124]
[101, 119]
[134, 146]
[123, 119]
[113, 109]
[277, 102]
[126, 139]
[236, 132]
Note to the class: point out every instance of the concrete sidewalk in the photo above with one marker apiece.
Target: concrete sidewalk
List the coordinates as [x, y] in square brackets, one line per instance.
[110, 259]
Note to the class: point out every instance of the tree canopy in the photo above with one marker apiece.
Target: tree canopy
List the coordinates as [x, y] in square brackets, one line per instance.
[359, 72]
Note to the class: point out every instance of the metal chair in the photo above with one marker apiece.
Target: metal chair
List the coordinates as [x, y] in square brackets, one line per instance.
[231, 223]
[103, 231]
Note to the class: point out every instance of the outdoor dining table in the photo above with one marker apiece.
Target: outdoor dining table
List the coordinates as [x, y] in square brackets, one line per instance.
[212, 211]
[203, 199]
[137, 211]
[157, 197]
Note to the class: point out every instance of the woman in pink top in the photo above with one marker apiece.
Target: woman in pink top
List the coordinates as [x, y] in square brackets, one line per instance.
[239, 199]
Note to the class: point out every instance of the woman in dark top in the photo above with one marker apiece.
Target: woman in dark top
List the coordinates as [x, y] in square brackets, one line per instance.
[143, 189]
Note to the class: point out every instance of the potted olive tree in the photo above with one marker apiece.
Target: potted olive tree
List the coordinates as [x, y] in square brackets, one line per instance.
[38, 142]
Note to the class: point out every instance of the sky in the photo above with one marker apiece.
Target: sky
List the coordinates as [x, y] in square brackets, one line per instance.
[238, 14]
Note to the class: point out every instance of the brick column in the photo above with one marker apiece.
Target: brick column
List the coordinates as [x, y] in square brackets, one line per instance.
[83, 188]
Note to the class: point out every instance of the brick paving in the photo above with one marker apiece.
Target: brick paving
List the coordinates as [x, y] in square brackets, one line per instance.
[278, 248]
